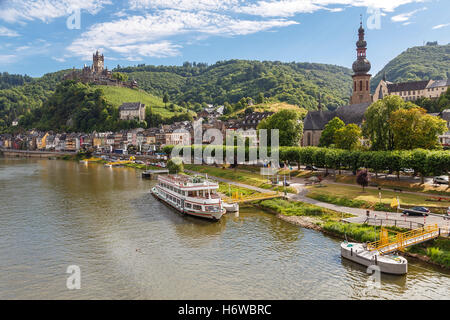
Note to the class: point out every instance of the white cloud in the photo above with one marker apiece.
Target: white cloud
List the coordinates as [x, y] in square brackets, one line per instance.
[147, 35]
[406, 16]
[439, 26]
[59, 59]
[7, 58]
[46, 10]
[186, 5]
[158, 50]
[5, 32]
[287, 8]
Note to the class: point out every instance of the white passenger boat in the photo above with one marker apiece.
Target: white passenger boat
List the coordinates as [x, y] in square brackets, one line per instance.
[196, 196]
[231, 207]
[358, 253]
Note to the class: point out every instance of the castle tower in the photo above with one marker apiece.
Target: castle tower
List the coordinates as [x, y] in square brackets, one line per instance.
[97, 62]
[361, 67]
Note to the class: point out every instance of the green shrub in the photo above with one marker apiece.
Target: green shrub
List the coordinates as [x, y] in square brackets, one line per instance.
[292, 208]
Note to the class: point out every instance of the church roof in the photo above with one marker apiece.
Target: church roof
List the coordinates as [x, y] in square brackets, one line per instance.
[408, 86]
[316, 120]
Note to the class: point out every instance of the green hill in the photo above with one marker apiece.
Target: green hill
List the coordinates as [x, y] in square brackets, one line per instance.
[418, 63]
[118, 95]
[228, 81]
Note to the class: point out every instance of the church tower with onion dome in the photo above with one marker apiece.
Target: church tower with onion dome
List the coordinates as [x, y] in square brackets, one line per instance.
[361, 67]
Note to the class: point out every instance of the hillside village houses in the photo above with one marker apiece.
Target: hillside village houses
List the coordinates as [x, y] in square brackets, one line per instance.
[143, 140]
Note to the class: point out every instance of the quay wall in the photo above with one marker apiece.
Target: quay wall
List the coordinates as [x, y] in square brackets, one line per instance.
[32, 154]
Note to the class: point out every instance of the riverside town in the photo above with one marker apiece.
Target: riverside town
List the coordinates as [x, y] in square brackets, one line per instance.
[308, 157]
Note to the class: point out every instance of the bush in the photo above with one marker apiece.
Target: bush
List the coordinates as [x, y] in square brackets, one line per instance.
[175, 166]
[361, 233]
[292, 208]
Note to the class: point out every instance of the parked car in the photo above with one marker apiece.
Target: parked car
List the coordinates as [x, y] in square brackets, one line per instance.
[417, 211]
[408, 170]
[440, 180]
[311, 168]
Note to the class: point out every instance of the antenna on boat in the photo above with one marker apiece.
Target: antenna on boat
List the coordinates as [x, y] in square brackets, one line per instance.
[207, 184]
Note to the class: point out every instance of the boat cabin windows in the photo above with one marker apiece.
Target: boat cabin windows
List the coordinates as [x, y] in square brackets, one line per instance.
[197, 207]
[188, 205]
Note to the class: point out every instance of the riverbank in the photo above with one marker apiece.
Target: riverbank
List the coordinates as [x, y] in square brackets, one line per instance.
[436, 252]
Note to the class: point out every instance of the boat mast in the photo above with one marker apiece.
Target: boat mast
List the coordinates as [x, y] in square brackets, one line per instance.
[207, 184]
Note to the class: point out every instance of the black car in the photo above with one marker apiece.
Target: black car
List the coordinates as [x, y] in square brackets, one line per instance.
[417, 211]
[311, 168]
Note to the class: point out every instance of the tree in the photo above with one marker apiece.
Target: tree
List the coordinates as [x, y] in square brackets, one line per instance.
[166, 99]
[289, 124]
[327, 137]
[413, 128]
[376, 127]
[175, 166]
[348, 137]
[362, 178]
[260, 98]
[122, 77]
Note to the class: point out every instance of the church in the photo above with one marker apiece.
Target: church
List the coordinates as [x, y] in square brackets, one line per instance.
[360, 100]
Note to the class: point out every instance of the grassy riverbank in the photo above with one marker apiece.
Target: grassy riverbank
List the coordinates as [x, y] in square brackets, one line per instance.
[289, 208]
[402, 185]
[437, 250]
[328, 221]
[252, 178]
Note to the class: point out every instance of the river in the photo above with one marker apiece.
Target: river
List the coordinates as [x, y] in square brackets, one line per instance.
[54, 214]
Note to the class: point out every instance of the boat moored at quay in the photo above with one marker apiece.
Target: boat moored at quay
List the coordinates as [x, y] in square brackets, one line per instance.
[191, 195]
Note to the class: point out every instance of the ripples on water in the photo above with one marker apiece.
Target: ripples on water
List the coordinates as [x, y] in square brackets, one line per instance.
[129, 246]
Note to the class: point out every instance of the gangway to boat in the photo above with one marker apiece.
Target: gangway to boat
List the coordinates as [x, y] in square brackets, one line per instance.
[239, 198]
[402, 240]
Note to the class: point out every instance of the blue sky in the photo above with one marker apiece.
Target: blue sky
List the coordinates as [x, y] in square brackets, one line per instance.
[42, 36]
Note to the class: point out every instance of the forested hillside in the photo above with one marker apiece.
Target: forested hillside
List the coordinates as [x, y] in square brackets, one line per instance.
[229, 81]
[418, 63]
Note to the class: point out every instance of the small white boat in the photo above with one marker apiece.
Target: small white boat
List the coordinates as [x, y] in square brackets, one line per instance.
[357, 252]
[231, 207]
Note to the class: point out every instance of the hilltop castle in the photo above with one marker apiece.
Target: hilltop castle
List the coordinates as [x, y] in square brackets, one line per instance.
[98, 74]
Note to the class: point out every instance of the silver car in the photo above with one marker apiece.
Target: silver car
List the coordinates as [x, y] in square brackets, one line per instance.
[440, 180]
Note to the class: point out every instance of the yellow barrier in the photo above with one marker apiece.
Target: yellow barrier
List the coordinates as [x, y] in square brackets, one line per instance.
[402, 240]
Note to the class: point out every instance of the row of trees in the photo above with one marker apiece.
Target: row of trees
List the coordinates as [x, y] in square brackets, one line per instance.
[423, 162]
